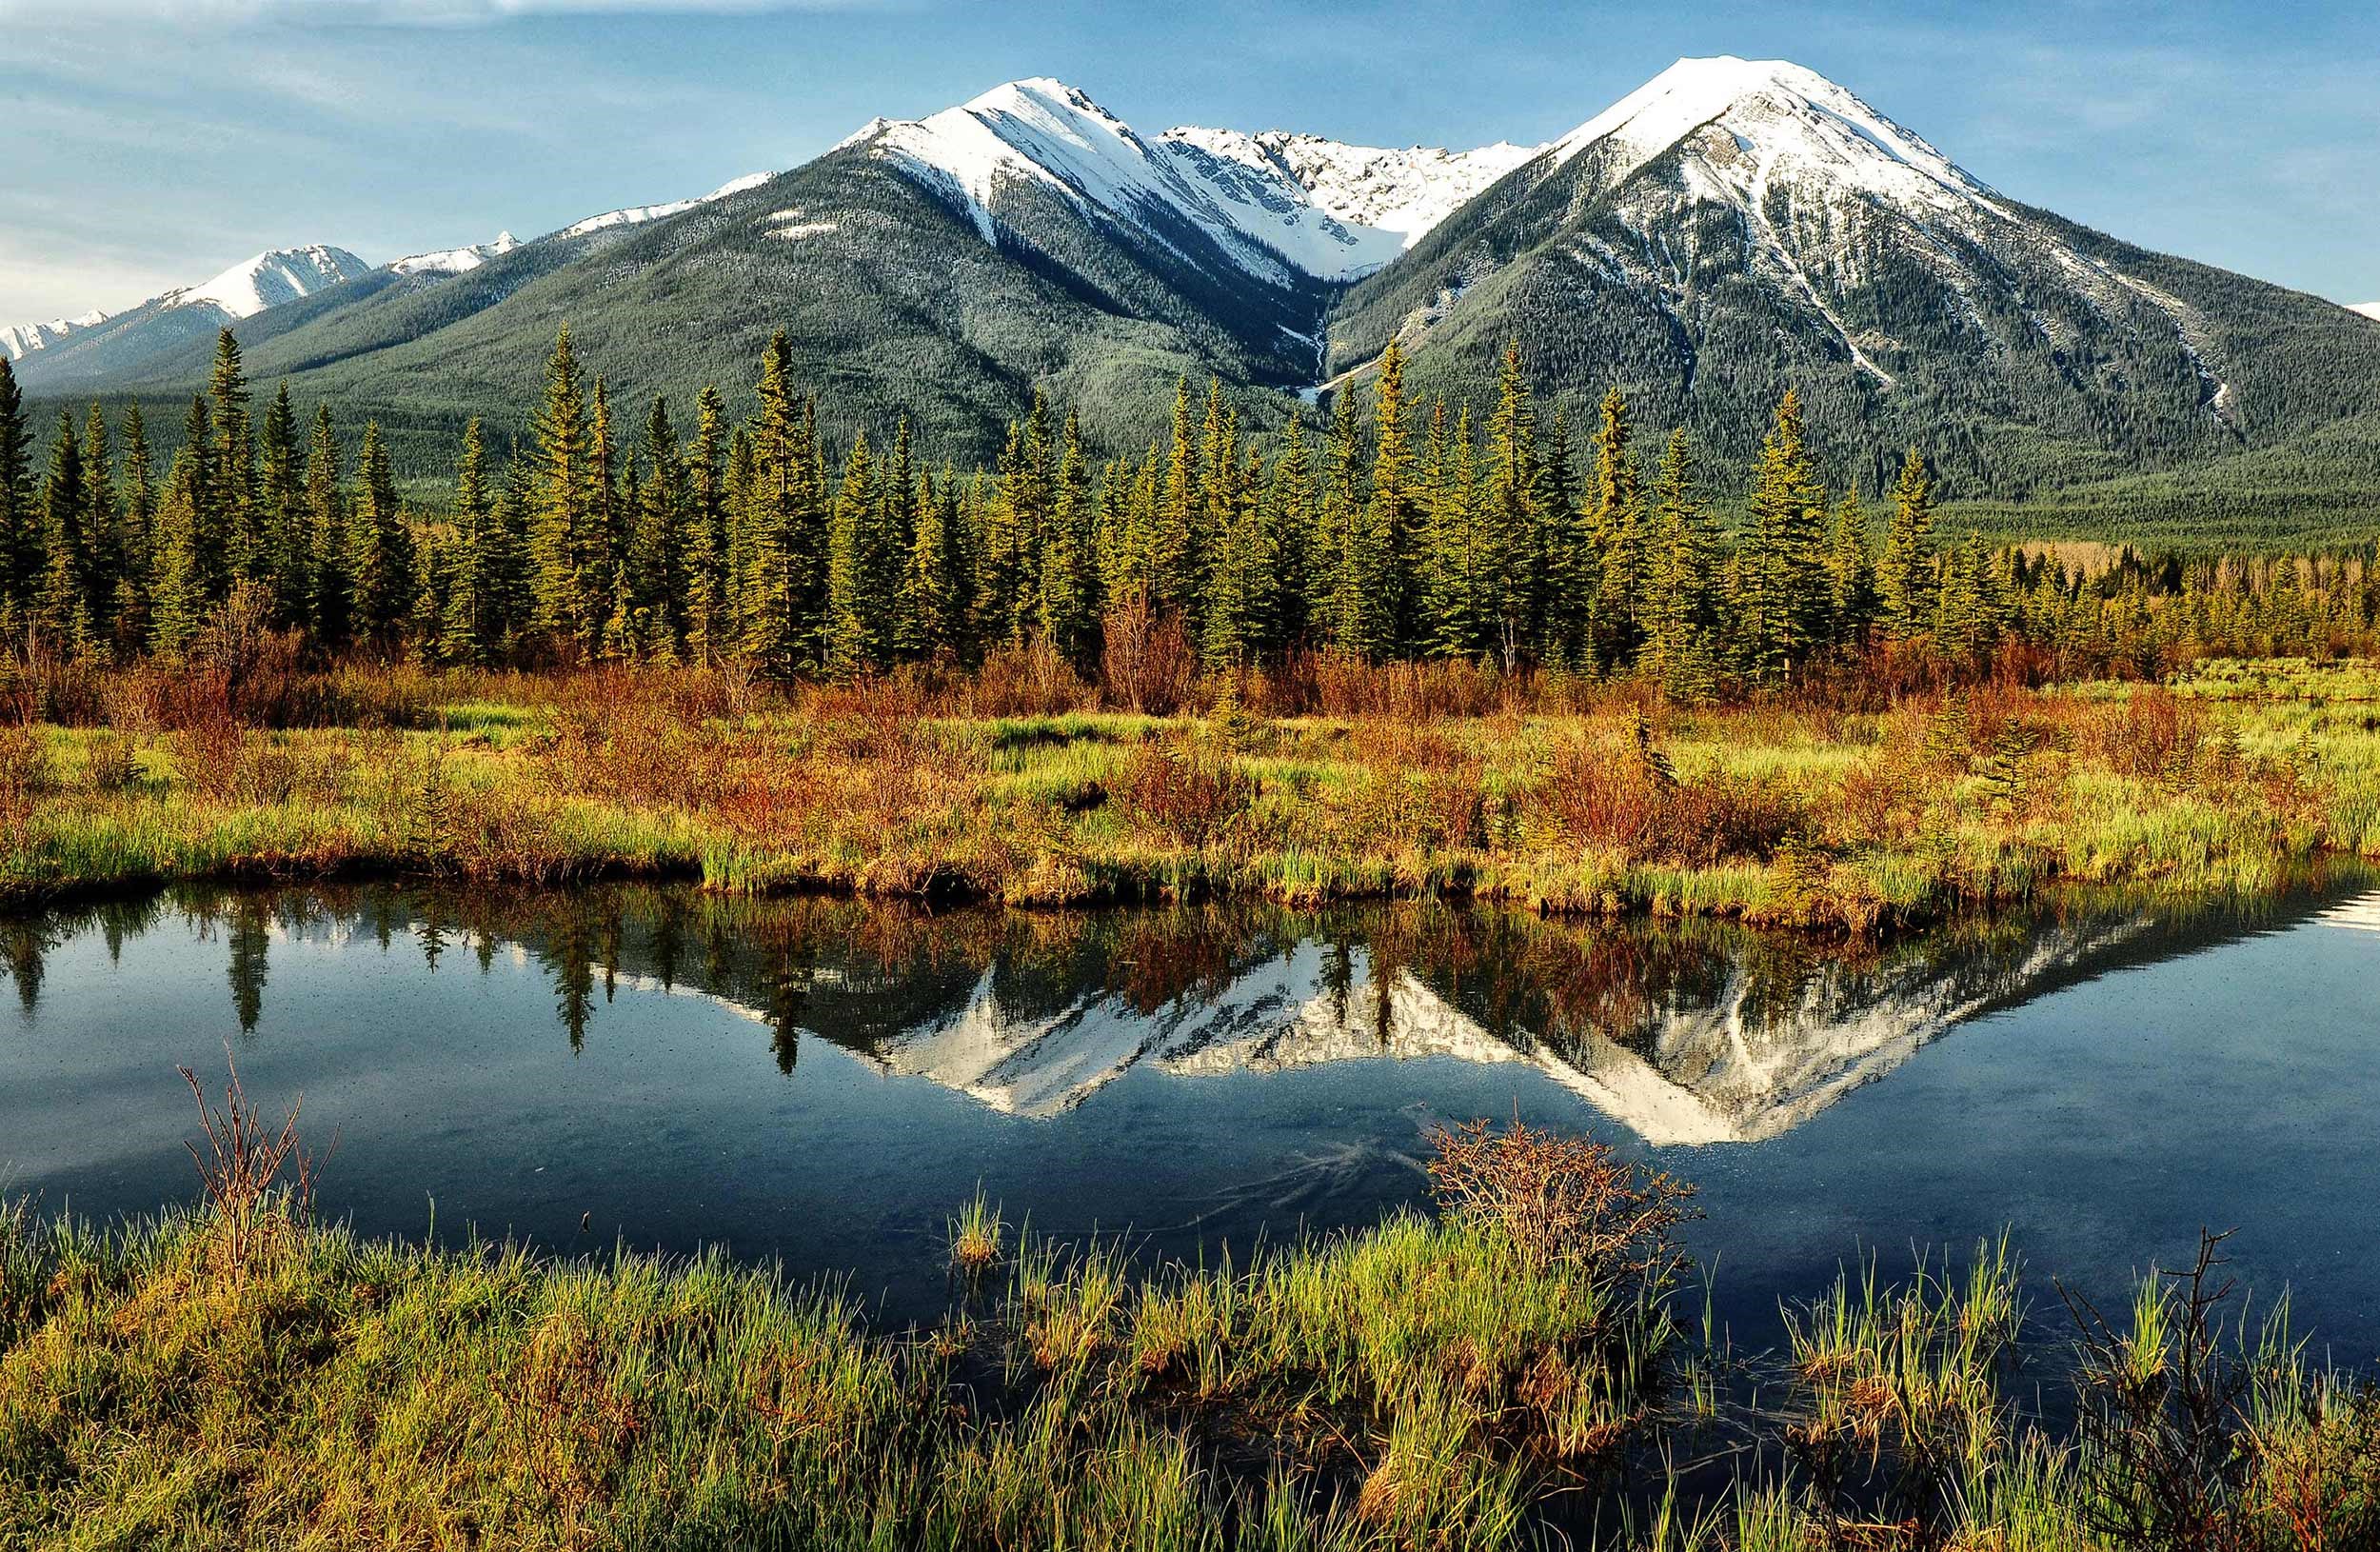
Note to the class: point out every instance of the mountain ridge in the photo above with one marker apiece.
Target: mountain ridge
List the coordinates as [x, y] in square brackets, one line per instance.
[1731, 227]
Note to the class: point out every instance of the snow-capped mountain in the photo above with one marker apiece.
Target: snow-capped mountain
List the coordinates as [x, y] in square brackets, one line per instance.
[1735, 225]
[245, 290]
[2369, 310]
[22, 340]
[454, 261]
[1728, 229]
[1404, 191]
[122, 345]
[1281, 207]
[268, 280]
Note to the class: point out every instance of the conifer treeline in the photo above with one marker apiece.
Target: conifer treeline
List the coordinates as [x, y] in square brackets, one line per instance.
[1409, 531]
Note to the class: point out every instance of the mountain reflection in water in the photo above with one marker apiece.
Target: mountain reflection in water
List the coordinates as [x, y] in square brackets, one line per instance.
[1685, 1033]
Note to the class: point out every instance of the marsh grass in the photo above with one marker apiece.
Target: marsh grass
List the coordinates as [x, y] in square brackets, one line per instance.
[1303, 787]
[1478, 1380]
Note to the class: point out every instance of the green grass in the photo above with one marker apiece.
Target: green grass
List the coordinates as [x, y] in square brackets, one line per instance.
[1898, 817]
[1428, 1383]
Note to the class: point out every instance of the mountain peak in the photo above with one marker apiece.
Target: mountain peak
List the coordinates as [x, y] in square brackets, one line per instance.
[1776, 112]
[273, 277]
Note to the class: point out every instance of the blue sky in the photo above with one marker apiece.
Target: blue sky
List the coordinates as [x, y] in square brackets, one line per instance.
[149, 143]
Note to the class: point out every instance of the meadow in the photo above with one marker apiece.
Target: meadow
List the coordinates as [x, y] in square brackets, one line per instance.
[1853, 806]
[1520, 1367]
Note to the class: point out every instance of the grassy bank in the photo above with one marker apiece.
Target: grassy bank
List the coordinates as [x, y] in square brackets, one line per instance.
[1406, 782]
[1520, 1368]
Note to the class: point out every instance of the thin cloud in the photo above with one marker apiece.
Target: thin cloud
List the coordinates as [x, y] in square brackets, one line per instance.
[215, 14]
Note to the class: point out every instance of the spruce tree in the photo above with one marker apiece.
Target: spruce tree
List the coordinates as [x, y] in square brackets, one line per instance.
[706, 531]
[1289, 517]
[134, 546]
[385, 560]
[1907, 586]
[329, 572]
[1069, 594]
[1513, 514]
[19, 516]
[1382, 622]
[563, 520]
[1784, 603]
[466, 632]
[1850, 573]
[281, 489]
[178, 599]
[238, 516]
[1677, 613]
[1616, 527]
[1337, 598]
[851, 633]
[103, 518]
[62, 604]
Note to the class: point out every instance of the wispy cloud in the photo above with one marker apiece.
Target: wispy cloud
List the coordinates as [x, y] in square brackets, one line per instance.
[215, 14]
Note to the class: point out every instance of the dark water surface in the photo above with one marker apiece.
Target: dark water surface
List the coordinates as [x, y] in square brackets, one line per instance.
[824, 1083]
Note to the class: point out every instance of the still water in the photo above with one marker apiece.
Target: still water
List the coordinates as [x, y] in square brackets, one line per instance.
[822, 1083]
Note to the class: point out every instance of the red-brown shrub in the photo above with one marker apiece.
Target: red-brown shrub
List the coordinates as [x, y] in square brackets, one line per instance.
[1185, 793]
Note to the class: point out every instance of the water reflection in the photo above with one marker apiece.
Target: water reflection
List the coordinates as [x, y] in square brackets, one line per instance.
[1685, 1033]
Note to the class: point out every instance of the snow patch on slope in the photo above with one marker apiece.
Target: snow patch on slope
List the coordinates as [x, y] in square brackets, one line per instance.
[1796, 117]
[24, 339]
[637, 215]
[269, 279]
[455, 261]
[1253, 206]
[1404, 191]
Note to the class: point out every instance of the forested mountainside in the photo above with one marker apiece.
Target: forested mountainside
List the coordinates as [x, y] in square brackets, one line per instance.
[1729, 230]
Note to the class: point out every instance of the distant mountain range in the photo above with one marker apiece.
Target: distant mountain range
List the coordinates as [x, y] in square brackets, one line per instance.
[1729, 229]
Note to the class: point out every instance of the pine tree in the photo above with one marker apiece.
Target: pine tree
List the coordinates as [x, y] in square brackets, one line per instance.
[852, 628]
[783, 590]
[1571, 569]
[238, 516]
[1512, 517]
[654, 578]
[1907, 586]
[506, 591]
[1381, 560]
[1070, 603]
[1173, 546]
[19, 519]
[705, 538]
[204, 489]
[103, 519]
[385, 560]
[135, 542]
[1677, 613]
[560, 530]
[62, 604]
[1850, 573]
[466, 632]
[178, 602]
[602, 553]
[932, 599]
[1784, 602]
[1458, 586]
[1289, 516]
[1337, 603]
[1616, 527]
[331, 604]
[282, 490]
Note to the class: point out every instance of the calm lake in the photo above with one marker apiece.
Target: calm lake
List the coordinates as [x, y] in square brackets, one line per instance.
[823, 1081]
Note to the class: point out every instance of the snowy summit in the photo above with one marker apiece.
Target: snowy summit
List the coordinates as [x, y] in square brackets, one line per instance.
[1276, 203]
